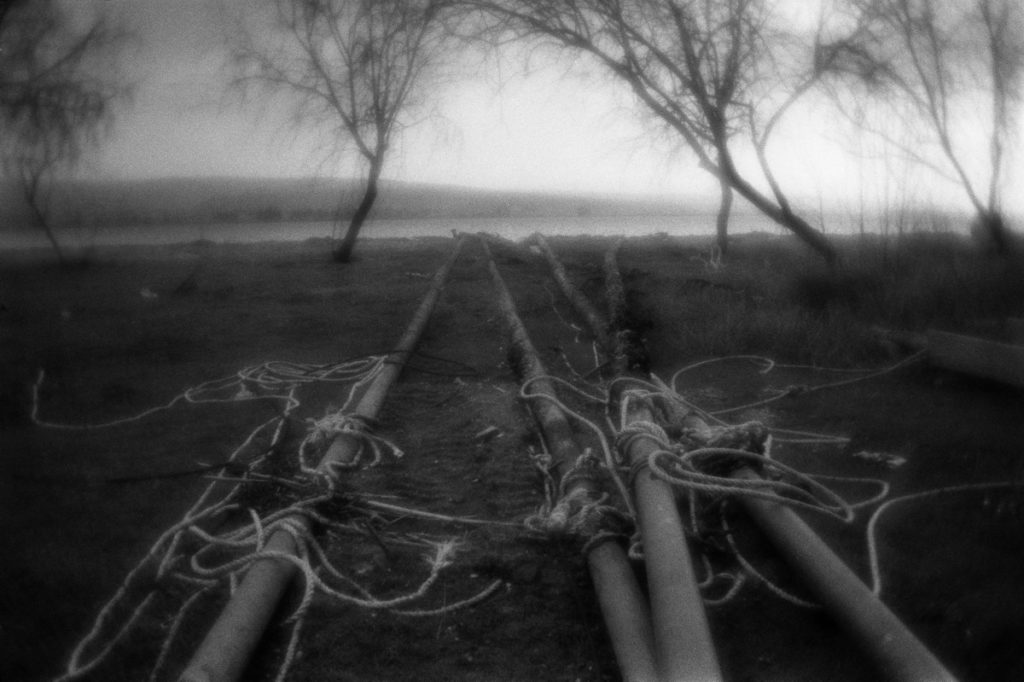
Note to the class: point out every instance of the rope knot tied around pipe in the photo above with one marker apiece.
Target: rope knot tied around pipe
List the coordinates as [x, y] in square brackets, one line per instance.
[709, 470]
[324, 429]
[322, 432]
[634, 431]
[701, 458]
[721, 443]
[581, 513]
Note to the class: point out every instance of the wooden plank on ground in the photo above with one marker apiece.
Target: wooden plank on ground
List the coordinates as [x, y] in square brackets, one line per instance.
[1002, 362]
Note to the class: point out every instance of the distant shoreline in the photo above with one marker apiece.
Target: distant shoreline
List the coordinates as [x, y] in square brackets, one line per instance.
[245, 200]
[510, 228]
[221, 201]
[40, 250]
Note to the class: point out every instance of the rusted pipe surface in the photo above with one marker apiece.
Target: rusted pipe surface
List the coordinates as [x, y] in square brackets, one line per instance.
[625, 612]
[682, 638]
[896, 651]
[227, 648]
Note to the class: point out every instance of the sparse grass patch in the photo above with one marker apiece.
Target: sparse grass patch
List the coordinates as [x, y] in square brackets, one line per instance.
[918, 283]
[718, 324]
[79, 508]
[774, 298]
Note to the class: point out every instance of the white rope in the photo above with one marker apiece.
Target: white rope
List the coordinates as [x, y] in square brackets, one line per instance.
[272, 380]
[169, 560]
[684, 469]
[871, 532]
[680, 471]
[322, 432]
[803, 390]
[607, 451]
[164, 554]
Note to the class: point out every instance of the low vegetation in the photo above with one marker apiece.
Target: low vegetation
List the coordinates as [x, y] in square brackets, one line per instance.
[142, 323]
[768, 297]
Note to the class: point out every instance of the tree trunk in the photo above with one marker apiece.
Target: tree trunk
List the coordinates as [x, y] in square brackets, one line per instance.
[343, 252]
[724, 210]
[43, 224]
[54, 243]
[791, 221]
[993, 228]
[780, 212]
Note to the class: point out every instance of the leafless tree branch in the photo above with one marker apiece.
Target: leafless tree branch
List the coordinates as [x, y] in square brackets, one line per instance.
[360, 63]
[59, 92]
[703, 69]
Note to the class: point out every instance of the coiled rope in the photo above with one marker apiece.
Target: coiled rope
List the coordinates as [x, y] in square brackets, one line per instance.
[273, 380]
[189, 558]
[702, 470]
[574, 511]
[685, 469]
[767, 365]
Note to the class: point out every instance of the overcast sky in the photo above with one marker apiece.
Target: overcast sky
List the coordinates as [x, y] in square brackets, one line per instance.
[540, 131]
[537, 132]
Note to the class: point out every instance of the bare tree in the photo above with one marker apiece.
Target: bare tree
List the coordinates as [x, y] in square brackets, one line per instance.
[356, 68]
[59, 87]
[712, 72]
[938, 64]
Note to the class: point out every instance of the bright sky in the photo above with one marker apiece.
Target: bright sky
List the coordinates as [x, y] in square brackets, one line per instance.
[536, 132]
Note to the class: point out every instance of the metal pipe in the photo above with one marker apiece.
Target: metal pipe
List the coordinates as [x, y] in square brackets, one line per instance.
[625, 612]
[227, 648]
[628, 350]
[897, 652]
[682, 638]
[622, 345]
[595, 321]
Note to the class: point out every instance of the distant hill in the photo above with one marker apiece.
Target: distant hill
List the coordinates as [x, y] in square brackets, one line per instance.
[219, 200]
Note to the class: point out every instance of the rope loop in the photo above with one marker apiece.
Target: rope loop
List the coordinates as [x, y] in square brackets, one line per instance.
[201, 553]
[580, 513]
[585, 471]
[637, 430]
[708, 470]
[322, 432]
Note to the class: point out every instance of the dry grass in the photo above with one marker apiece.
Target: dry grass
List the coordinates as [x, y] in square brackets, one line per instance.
[109, 350]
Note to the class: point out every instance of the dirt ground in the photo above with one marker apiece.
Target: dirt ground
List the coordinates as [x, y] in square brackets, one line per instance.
[139, 325]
